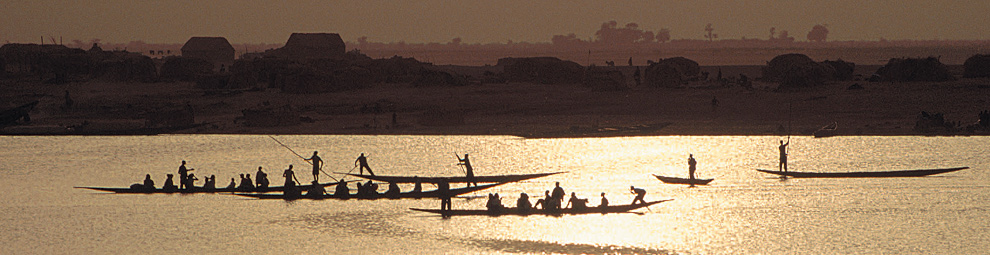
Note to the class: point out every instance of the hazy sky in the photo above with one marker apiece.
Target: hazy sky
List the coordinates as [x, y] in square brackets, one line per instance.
[250, 21]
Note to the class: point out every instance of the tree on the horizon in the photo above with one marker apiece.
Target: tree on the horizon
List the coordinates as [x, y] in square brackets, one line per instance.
[610, 33]
[708, 32]
[663, 35]
[818, 33]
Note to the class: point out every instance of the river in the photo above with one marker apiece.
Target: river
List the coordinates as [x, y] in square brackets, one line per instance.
[742, 212]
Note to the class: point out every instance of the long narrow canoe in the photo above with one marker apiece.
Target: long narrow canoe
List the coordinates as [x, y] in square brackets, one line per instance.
[199, 189]
[454, 179]
[410, 194]
[676, 180]
[899, 173]
[515, 211]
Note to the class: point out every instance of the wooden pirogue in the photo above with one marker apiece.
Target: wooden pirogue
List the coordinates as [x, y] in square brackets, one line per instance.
[878, 174]
[453, 179]
[515, 211]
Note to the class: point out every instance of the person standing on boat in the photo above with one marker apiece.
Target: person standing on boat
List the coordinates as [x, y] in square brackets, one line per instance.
[443, 190]
[317, 165]
[262, 179]
[640, 194]
[470, 170]
[557, 196]
[783, 156]
[692, 166]
[362, 162]
[289, 177]
[183, 175]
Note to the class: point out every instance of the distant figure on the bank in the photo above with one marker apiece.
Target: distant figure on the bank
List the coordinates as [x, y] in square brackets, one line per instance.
[68, 101]
[183, 175]
[290, 176]
[638, 77]
[692, 166]
[362, 163]
[317, 165]
[640, 194]
[630, 61]
[783, 156]
[467, 168]
[395, 120]
[261, 179]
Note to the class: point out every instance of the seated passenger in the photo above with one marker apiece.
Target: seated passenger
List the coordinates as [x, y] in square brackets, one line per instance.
[342, 191]
[232, 184]
[522, 204]
[316, 190]
[577, 203]
[393, 191]
[148, 183]
[169, 186]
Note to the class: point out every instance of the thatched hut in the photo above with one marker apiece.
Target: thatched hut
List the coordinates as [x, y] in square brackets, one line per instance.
[914, 69]
[310, 46]
[216, 50]
[977, 66]
[843, 70]
[671, 72]
[797, 70]
[544, 70]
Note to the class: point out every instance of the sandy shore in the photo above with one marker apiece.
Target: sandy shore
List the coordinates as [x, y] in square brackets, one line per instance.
[529, 110]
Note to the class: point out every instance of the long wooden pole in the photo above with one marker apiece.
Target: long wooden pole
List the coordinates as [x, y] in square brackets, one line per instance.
[301, 157]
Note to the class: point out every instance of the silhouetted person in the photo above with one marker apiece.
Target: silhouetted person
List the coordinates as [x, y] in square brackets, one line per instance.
[467, 168]
[362, 163]
[211, 183]
[290, 176]
[494, 204]
[317, 165]
[692, 166]
[341, 190]
[783, 156]
[169, 184]
[418, 187]
[604, 201]
[443, 190]
[232, 184]
[640, 194]
[543, 202]
[316, 190]
[261, 179]
[557, 196]
[522, 204]
[148, 183]
[183, 175]
[630, 61]
[393, 190]
[577, 203]
[191, 181]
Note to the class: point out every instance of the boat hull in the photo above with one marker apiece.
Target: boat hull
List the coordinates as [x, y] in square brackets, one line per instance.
[198, 189]
[416, 195]
[676, 180]
[566, 211]
[882, 174]
[454, 179]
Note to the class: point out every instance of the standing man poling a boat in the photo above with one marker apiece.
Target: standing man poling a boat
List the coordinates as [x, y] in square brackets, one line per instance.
[317, 165]
[640, 194]
[362, 162]
[783, 156]
[467, 168]
[183, 175]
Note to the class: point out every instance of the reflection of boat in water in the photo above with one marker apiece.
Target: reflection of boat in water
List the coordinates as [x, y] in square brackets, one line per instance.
[455, 179]
[199, 189]
[515, 211]
[677, 180]
[410, 194]
[827, 130]
[880, 174]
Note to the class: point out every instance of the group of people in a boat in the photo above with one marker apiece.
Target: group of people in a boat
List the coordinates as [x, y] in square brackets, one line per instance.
[552, 201]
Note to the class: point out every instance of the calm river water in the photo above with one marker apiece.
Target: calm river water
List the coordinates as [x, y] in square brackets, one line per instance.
[742, 211]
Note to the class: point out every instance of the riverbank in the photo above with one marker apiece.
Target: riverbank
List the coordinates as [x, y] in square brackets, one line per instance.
[520, 109]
